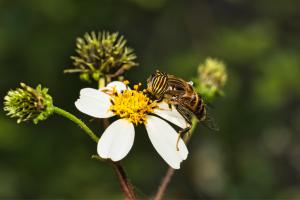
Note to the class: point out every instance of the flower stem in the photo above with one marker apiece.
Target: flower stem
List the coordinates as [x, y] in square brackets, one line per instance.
[125, 185]
[122, 177]
[77, 121]
[164, 184]
[101, 83]
[194, 126]
[170, 171]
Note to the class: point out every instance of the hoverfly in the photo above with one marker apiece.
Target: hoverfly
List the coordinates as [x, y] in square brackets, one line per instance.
[181, 94]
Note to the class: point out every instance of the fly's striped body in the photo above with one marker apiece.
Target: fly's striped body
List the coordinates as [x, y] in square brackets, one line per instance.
[176, 91]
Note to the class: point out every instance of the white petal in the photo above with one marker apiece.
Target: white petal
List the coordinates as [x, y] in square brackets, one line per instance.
[120, 86]
[172, 115]
[117, 140]
[93, 93]
[94, 103]
[164, 138]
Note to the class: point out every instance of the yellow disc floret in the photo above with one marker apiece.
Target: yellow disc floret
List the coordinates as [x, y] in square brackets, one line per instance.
[133, 105]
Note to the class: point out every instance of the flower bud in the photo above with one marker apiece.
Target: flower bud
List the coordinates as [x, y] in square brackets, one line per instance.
[102, 55]
[26, 104]
[212, 77]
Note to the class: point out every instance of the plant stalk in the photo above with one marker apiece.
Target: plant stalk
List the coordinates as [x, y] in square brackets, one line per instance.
[170, 171]
[77, 121]
[124, 183]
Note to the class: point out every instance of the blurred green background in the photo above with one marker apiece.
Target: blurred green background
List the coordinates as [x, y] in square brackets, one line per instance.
[255, 155]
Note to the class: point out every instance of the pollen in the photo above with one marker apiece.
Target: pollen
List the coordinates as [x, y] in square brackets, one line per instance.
[133, 105]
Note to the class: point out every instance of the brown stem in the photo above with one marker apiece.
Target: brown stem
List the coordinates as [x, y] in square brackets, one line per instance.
[170, 172]
[124, 183]
[164, 184]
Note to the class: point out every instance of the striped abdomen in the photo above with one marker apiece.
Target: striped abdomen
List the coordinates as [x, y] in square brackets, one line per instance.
[194, 104]
[200, 109]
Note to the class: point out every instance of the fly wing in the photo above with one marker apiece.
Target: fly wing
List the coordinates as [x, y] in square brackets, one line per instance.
[186, 113]
[210, 123]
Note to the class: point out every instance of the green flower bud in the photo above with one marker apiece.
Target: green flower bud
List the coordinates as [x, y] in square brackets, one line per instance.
[102, 55]
[212, 77]
[28, 104]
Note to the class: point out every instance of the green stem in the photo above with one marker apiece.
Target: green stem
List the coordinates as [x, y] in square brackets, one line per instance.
[77, 121]
[101, 83]
[194, 126]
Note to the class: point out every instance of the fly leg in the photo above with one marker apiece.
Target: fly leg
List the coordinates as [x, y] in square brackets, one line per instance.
[181, 133]
[188, 120]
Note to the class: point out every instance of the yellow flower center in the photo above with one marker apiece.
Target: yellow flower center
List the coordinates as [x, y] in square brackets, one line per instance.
[133, 105]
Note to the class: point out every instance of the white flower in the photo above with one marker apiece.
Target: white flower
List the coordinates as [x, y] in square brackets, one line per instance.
[133, 107]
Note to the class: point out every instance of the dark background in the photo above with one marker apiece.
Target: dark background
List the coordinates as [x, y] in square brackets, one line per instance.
[256, 153]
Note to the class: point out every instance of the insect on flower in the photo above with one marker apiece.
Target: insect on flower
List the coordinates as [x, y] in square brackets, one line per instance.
[181, 94]
[133, 107]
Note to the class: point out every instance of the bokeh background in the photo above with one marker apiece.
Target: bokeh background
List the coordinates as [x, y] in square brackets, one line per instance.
[255, 155]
